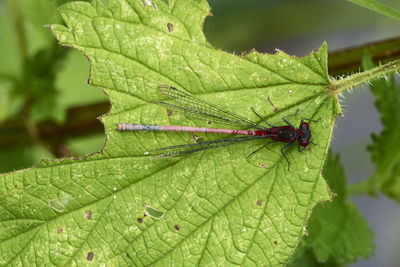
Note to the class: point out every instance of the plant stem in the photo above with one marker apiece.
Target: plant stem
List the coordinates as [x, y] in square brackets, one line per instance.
[361, 188]
[348, 60]
[337, 87]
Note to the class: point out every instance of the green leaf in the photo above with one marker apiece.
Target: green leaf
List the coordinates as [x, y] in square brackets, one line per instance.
[305, 256]
[384, 152]
[219, 206]
[378, 7]
[337, 230]
[31, 62]
[38, 84]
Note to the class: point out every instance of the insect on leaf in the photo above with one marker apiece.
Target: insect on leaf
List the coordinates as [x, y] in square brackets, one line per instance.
[219, 207]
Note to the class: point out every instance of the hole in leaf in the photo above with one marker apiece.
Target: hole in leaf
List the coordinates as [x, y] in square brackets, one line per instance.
[177, 227]
[56, 205]
[275, 242]
[262, 165]
[259, 202]
[149, 3]
[169, 113]
[139, 220]
[154, 213]
[196, 138]
[59, 230]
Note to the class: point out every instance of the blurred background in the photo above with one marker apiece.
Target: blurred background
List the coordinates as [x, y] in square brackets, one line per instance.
[27, 52]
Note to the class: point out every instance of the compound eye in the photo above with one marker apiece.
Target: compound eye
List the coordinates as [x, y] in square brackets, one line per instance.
[304, 142]
[304, 126]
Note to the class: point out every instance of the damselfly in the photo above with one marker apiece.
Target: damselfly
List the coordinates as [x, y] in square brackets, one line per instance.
[198, 108]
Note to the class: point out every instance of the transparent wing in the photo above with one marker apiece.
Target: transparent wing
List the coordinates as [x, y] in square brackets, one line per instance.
[180, 150]
[200, 109]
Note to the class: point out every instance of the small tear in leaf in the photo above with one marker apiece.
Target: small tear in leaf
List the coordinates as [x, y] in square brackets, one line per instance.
[170, 27]
[88, 214]
[90, 256]
[274, 108]
[56, 205]
[196, 138]
[154, 213]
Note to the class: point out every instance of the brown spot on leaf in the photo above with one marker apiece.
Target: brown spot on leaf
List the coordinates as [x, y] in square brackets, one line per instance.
[261, 164]
[59, 230]
[259, 202]
[275, 242]
[170, 27]
[90, 256]
[88, 214]
[139, 220]
[177, 227]
[169, 113]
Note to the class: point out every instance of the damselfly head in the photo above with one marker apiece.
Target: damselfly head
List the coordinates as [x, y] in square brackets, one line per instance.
[305, 134]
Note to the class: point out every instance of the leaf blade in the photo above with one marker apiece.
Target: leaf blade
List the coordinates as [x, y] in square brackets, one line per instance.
[213, 196]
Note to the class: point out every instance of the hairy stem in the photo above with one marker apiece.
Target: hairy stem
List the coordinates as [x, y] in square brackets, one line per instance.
[337, 87]
[362, 188]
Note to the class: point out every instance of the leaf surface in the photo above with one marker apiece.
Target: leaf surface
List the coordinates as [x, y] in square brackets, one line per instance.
[215, 207]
